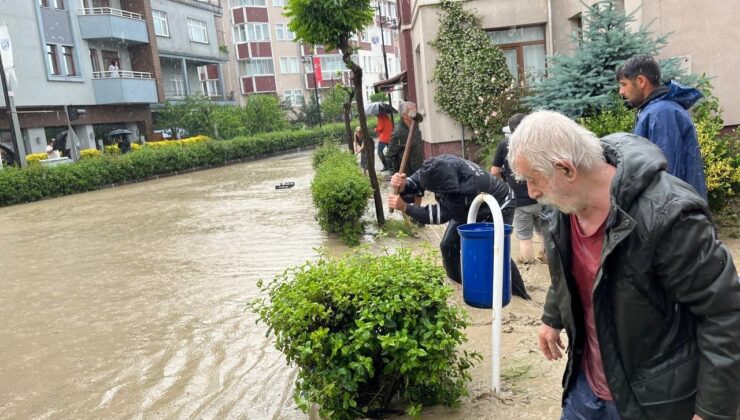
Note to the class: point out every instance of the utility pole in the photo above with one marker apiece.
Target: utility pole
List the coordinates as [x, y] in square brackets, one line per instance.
[15, 130]
[309, 59]
[385, 58]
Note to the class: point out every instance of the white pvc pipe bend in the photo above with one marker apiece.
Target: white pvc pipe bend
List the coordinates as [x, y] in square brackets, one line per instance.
[498, 280]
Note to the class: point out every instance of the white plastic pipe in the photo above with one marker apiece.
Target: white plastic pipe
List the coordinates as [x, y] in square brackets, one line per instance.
[498, 281]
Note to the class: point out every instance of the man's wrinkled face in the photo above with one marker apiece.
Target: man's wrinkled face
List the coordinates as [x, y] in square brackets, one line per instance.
[548, 190]
[629, 90]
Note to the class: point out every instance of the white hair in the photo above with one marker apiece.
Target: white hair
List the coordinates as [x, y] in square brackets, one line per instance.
[547, 137]
[404, 107]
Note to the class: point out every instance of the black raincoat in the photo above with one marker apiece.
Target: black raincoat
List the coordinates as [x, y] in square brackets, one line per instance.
[455, 183]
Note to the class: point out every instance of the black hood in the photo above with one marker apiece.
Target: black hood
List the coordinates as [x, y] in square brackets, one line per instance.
[638, 163]
[450, 174]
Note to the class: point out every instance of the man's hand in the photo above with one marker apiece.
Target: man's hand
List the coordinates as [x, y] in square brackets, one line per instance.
[398, 180]
[696, 417]
[396, 202]
[550, 342]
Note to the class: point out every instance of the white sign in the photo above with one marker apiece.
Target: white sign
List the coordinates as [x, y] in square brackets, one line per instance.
[376, 42]
[6, 49]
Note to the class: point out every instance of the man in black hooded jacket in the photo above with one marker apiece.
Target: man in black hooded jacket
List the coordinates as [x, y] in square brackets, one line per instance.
[455, 183]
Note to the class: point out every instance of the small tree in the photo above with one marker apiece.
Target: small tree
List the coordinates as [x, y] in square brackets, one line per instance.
[332, 105]
[471, 71]
[331, 23]
[579, 85]
[263, 113]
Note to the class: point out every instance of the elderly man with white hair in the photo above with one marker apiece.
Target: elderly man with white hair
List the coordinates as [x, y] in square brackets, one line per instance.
[647, 294]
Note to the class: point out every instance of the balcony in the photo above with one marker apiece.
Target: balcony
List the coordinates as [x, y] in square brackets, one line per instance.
[113, 25]
[124, 87]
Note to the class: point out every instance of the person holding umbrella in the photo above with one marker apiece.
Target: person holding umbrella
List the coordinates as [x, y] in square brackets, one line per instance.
[384, 129]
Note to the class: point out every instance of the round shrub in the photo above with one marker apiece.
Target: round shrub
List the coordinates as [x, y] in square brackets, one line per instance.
[340, 193]
[362, 329]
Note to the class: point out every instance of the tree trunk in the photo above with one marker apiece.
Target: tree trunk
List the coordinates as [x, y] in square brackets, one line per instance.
[348, 121]
[369, 149]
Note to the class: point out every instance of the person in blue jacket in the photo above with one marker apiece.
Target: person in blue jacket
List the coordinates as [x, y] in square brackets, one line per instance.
[663, 117]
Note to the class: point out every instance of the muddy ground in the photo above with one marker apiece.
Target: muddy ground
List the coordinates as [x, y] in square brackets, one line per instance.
[531, 385]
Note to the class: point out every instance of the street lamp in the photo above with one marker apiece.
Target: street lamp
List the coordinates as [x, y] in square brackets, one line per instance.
[309, 59]
[382, 46]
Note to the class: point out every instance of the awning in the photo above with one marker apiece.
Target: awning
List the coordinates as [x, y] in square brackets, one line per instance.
[390, 84]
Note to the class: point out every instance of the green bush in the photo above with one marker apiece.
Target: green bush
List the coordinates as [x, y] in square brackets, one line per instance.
[363, 328]
[36, 183]
[721, 162]
[324, 152]
[340, 193]
[617, 119]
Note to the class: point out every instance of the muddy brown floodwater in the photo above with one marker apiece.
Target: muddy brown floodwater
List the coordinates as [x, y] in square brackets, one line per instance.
[130, 302]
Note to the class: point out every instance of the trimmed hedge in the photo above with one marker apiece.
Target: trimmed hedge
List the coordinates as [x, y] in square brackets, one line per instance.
[340, 193]
[36, 183]
[363, 329]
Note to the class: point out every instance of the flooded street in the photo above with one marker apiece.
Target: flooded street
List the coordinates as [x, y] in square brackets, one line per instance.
[130, 302]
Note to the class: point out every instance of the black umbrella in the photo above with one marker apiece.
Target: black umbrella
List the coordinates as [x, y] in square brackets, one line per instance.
[60, 141]
[375, 108]
[119, 132]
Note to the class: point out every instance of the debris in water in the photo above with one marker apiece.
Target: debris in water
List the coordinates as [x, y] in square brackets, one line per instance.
[285, 185]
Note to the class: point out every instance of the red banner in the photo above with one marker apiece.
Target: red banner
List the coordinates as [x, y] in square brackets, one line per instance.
[317, 70]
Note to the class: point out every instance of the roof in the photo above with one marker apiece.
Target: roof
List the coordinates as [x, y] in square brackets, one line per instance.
[389, 84]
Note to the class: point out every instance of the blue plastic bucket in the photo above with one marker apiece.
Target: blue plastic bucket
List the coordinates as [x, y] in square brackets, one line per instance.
[476, 243]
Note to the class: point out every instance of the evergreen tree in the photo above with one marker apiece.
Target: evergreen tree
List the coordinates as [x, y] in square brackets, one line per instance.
[471, 72]
[580, 85]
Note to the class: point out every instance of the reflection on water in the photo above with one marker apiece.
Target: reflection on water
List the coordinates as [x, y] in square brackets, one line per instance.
[129, 302]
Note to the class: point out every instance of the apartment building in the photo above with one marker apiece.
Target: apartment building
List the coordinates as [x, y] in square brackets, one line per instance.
[267, 58]
[61, 51]
[529, 30]
[192, 49]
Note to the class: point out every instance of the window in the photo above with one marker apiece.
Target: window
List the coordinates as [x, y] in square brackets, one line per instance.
[57, 4]
[252, 32]
[293, 97]
[69, 61]
[209, 88]
[283, 33]
[524, 50]
[235, 3]
[51, 59]
[177, 85]
[289, 65]
[94, 59]
[278, 3]
[256, 67]
[197, 31]
[160, 23]
[332, 64]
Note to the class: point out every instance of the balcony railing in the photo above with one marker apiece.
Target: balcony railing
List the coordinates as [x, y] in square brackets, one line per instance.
[122, 86]
[110, 11]
[123, 74]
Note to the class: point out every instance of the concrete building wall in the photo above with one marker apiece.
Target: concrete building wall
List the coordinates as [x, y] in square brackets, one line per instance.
[34, 85]
[695, 33]
[179, 41]
[707, 34]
